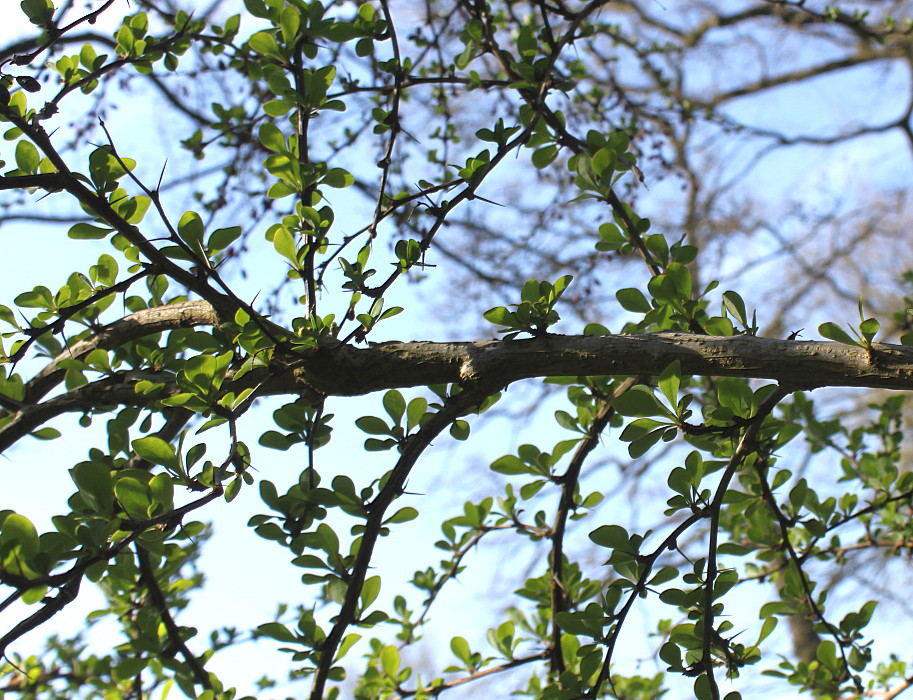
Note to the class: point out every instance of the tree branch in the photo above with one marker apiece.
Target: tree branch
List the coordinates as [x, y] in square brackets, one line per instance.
[393, 487]
[157, 596]
[337, 369]
[349, 371]
[157, 319]
[569, 481]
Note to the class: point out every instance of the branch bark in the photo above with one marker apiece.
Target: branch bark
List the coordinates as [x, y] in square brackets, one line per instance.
[157, 319]
[349, 371]
[339, 369]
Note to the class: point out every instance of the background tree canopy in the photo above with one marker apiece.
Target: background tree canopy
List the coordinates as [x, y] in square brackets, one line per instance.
[295, 227]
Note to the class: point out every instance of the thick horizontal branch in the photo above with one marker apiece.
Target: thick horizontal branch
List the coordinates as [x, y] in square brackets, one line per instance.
[346, 370]
[337, 369]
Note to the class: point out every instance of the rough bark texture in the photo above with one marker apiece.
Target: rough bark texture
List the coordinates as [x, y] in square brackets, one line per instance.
[337, 369]
[347, 370]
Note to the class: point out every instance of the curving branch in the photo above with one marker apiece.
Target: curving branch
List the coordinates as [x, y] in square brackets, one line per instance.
[137, 325]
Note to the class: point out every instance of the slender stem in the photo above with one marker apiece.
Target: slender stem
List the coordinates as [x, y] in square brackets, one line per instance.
[569, 481]
[148, 579]
[746, 446]
[392, 489]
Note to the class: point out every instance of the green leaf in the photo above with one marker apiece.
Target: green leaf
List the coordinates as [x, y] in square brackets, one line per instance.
[87, 57]
[416, 409]
[338, 178]
[275, 440]
[277, 631]
[105, 271]
[129, 668]
[499, 316]
[733, 549]
[221, 238]
[364, 47]
[670, 381]
[374, 445]
[460, 648]
[106, 169]
[702, 688]
[94, 481]
[45, 434]
[543, 157]
[832, 331]
[19, 531]
[663, 289]
[265, 43]
[27, 157]
[603, 160]
[233, 489]
[289, 23]
[640, 427]
[278, 108]
[511, 464]
[84, 232]
[278, 190]
[672, 655]
[372, 425]
[34, 595]
[827, 654]
[156, 450]
[869, 328]
[272, 138]
[798, 495]
[664, 575]
[735, 393]
[735, 307]
[284, 244]
[161, 489]
[769, 625]
[190, 229]
[395, 405]
[271, 531]
[719, 325]
[641, 446]
[633, 300]
[39, 12]
[532, 291]
[639, 401]
[681, 278]
[389, 660]
[459, 430]
[133, 496]
[611, 537]
[561, 284]
[566, 420]
[656, 244]
[403, 515]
